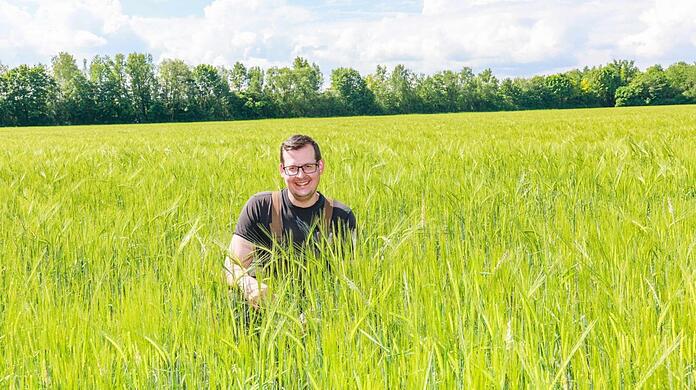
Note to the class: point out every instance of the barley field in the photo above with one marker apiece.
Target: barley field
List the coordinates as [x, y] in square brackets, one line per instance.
[549, 249]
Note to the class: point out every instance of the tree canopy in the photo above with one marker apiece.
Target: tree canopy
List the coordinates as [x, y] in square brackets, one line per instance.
[133, 89]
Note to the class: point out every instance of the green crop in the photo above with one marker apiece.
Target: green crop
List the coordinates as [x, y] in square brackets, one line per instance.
[549, 249]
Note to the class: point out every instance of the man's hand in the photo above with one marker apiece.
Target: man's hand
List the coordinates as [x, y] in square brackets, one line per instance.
[254, 291]
[239, 258]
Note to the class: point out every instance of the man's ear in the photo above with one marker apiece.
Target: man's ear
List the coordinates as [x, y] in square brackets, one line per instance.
[280, 169]
[321, 166]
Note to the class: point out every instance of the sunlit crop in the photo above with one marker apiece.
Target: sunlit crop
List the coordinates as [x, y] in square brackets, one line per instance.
[502, 250]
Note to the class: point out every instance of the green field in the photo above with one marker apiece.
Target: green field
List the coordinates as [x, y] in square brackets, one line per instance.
[500, 250]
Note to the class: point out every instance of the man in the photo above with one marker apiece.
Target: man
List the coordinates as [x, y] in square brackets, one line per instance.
[297, 215]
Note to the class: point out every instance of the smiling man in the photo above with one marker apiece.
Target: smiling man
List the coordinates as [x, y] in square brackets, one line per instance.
[297, 216]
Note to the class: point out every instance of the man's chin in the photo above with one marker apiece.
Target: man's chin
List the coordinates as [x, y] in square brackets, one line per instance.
[303, 196]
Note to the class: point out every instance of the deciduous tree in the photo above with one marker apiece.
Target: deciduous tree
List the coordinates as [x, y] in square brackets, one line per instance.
[351, 92]
[112, 100]
[682, 77]
[75, 104]
[29, 94]
[177, 90]
[649, 88]
[213, 95]
[142, 85]
[294, 91]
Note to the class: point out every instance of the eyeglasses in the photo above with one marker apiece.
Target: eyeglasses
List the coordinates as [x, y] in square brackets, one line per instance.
[293, 170]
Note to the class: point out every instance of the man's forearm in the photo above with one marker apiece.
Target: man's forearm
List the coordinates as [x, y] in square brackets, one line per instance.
[237, 276]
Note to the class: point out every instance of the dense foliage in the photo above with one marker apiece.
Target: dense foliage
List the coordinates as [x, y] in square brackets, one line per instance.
[133, 89]
[536, 249]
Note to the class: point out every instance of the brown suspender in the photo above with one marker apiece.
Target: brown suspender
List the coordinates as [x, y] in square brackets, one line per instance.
[277, 220]
[328, 212]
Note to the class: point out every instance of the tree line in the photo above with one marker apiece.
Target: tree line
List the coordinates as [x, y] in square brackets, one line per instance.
[133, 89]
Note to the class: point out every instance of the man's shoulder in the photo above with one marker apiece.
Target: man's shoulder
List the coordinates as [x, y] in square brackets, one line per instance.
[343, 215]
[338, 205]
[343, 212]
[258, 203]
[263, 195]
[254, 219]
[260, 198]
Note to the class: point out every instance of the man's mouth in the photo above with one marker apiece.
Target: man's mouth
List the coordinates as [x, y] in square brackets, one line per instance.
[302, 183]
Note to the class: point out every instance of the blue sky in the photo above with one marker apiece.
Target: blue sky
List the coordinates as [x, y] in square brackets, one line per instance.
[337, 9]
[164, 8]
[512, 37]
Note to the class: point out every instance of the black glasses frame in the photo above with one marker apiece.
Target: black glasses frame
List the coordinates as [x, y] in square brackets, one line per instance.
[307, 169]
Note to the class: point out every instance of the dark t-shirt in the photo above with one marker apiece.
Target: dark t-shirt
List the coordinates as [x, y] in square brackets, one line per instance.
[254, 222]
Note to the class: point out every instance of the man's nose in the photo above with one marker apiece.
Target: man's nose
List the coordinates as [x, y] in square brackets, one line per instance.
[301, 172]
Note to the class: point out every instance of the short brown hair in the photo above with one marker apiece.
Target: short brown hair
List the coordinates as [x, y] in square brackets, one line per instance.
[298, 141]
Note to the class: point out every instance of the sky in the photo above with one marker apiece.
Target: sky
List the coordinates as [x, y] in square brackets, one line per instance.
[511, 37]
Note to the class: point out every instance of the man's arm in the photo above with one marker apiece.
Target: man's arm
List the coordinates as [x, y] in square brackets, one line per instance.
[239, 257]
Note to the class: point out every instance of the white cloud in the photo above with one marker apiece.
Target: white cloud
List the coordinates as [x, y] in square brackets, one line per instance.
[440, 7]
[438, 40]
[48, 27]
[669, 24]
[229, 30]
[520, 36]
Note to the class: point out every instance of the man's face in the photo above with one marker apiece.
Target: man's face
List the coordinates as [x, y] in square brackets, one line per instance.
[302, 185]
